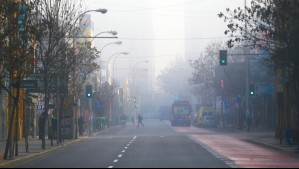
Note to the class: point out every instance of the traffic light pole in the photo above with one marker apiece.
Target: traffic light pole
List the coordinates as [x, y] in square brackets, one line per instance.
[58, 112]
[247, 86]
[90, 116]
[247, 62]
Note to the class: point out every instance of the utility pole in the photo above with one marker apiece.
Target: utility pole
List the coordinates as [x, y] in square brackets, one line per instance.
[57, 111]
[246, 51]
[247, 112]
[90, 116]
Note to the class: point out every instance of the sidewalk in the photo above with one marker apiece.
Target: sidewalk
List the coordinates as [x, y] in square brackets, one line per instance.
[34, 150]
[266, 138]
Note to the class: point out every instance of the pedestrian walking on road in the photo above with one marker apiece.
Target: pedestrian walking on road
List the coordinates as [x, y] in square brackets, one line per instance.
[81, 123]
[140, 119]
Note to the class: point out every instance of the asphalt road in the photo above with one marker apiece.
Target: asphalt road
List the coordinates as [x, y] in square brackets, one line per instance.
[156, 145]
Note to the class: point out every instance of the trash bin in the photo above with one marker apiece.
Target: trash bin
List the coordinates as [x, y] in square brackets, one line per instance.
[287, 133]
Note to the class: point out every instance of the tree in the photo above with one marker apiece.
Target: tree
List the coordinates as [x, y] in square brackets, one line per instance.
[105, 95]
[272, 25]
[16, 49]
[54, 22]
[80, 67]
[174, 80]
[203, 75]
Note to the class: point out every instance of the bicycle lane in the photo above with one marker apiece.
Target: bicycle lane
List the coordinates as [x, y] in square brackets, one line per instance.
[237, 152]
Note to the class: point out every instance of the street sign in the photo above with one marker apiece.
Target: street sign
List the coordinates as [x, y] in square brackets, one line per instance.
[29, 84]
[238, 99]
[98, 106]
[264, 89]
[40, 106]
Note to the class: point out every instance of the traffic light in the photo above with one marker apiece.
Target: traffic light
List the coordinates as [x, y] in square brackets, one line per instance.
[223, 57]
[88, 91]
[251, 90]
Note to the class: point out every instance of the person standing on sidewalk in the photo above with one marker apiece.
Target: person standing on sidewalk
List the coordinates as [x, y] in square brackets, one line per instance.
[32, 129]
[248, 119]
[41, 126]
[81, 124]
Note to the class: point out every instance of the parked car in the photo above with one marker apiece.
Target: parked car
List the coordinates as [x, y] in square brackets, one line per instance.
[209, 121]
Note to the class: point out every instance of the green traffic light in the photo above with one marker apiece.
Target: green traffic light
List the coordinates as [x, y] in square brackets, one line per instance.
[223, 57]
[251, 90]
[88, 91]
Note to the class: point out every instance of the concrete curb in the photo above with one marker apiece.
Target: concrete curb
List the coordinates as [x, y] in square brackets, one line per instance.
[18, 160]
[291, 150]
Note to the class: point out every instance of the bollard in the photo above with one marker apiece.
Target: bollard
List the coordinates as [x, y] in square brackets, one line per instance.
[287, 133]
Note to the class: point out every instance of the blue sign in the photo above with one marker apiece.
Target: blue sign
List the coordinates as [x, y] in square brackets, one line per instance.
[238, 99]
[265, 89]
[21, 21]
[98, 106]
[226, 103]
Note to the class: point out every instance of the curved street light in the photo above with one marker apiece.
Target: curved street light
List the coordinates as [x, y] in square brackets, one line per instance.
[134, 88]
[110, 32]
[144, 61]
[117, 54]
[103, 11]
[113, 65]
[117, 43]
[110, 102]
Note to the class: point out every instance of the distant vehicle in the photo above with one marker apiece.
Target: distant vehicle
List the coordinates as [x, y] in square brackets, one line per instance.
[201, 114]
[165, 113]
[209, 121]
[181, 113]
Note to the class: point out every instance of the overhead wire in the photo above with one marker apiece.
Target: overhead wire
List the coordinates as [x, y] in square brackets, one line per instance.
[203, 38]
[142, 9]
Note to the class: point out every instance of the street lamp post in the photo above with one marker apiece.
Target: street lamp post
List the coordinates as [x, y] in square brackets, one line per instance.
[117, 43]
[113, 65]
[114, 33]
[103, 11]
[134, 88]
[117, 54]
[110, 102]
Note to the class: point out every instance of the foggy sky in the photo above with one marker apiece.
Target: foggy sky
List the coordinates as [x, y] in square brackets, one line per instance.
[159, 31]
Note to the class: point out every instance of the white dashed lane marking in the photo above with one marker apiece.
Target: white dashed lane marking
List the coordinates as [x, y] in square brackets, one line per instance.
[120, 155]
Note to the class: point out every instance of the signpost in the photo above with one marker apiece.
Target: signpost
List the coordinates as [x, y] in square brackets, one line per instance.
[29, 84]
